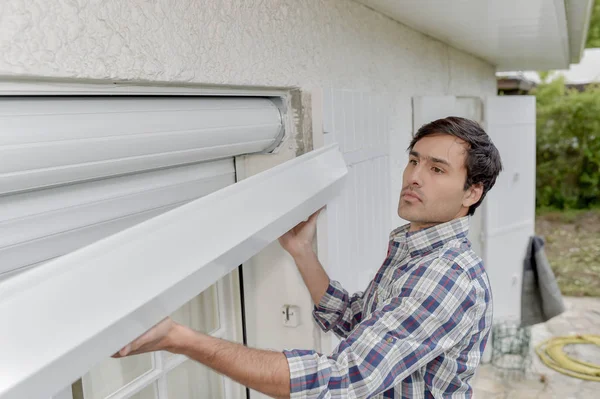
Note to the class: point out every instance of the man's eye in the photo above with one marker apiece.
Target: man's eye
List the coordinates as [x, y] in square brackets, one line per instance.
[437, 170]
[412, 161]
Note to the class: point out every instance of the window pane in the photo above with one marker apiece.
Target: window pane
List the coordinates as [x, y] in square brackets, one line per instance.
[191, 380]
[112, 374]
[147, 393]
[201, 313]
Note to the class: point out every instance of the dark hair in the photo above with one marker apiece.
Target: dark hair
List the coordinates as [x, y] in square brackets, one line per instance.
[483, 161]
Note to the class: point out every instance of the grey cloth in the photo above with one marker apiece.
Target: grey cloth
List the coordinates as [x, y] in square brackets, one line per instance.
[541, 299]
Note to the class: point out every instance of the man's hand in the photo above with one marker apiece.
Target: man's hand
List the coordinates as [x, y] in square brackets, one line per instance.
[265, 371]
[298, 241]
[159, 337]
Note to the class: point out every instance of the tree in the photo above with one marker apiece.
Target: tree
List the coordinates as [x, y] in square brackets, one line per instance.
[568, 145]
[593, 38]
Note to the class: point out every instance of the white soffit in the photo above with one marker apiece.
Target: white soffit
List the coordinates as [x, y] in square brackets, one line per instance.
[511, 34]
[76, 310]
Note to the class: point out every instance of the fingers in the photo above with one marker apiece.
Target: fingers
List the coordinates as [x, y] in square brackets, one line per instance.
[313, 218]
[132, 347]
[149, 341]
[123, 352]
[310, 220]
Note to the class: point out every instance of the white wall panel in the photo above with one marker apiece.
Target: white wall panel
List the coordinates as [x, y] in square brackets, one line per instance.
[430, 108]
[358, 221]
[401, 130]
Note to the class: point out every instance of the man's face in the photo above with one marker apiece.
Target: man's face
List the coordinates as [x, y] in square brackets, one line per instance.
[433, 182]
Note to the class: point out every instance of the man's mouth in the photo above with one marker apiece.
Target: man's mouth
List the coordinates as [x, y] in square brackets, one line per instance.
[410, 195]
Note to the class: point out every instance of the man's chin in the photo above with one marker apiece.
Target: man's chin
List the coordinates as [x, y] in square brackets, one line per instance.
[409, 216]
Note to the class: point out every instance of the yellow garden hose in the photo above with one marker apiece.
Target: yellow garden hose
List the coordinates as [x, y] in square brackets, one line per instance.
[551, 353]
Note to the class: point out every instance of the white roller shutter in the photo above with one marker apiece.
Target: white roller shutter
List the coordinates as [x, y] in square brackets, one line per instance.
[76, 169]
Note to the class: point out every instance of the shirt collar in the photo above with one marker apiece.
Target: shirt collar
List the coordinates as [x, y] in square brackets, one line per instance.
[426, 240]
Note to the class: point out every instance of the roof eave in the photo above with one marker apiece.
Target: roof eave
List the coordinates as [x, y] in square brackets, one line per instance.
[579, 14]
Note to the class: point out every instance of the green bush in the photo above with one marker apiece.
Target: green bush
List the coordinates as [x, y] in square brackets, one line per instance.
[593, 36]
[568, 145]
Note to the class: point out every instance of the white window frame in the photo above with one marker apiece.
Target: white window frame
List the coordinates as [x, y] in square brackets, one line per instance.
[162, 365]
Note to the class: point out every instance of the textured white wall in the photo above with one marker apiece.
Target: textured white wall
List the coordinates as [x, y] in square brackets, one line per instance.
[304, 43]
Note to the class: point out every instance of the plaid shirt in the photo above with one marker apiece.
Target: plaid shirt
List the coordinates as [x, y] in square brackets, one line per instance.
[418, 331]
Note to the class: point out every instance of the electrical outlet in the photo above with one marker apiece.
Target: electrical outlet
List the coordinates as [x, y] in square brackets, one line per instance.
[290, 315]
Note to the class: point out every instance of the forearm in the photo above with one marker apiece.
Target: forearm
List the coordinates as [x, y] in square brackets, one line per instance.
[264, 371]
[314, 276]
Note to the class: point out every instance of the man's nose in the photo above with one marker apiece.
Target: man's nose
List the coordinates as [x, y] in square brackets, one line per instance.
[414, 177]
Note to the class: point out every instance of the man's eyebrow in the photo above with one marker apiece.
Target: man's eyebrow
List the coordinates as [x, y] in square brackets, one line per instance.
[439, 160]
[432, 159]
[415, 154]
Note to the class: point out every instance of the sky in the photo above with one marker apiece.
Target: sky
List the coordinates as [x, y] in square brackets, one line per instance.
[588, 69]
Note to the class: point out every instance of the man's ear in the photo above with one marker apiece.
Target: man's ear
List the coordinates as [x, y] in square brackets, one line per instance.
[473, 194]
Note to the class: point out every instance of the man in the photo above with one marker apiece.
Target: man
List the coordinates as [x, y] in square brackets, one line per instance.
[420, 327]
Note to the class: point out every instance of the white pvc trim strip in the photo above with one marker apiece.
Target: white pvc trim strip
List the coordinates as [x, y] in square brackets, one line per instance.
[65, 87]
[63, 318]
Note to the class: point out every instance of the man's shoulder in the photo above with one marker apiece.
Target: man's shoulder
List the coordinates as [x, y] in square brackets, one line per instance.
[460, 257]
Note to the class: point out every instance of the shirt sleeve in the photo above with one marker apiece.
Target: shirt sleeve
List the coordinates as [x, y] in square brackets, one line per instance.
[337, 311]
[404, 334]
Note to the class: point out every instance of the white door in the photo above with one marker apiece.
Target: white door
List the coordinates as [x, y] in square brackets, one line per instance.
[509, 209]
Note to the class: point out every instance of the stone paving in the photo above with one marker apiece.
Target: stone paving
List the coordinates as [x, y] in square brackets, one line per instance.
[581, 317]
